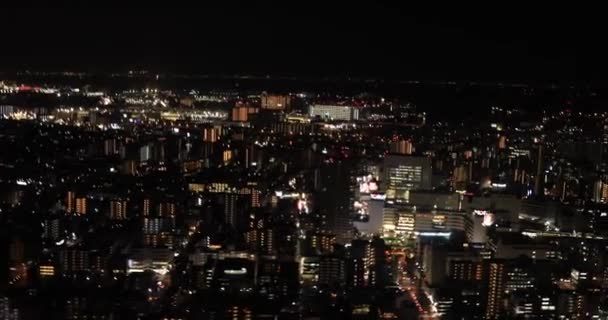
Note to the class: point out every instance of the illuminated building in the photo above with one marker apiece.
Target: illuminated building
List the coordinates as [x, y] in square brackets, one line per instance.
[70, 202]
[118, 209]
[152, 259]
[81, 206]
[320, 242]
[309, 270]
[288, 128]
[401, 147]
[600, 191]
[390, 218]
[166, 209]
[376, 262]
[145, 153]
[331, 270]
[467, 270]
[406, 220]
[495, 286]
[502, 142]
[73, 260]
[538, 181]
[7, 311]
[460, 177]
[513, 245]
[241, 112]
[227, 156]
[330, 112]
[46, 270]
[129, 167]
[146, 208]
[357, 264]
[405, 173]
[212, 134]
[51, 229]
[230, 212]
[238, 313]
[275, 102]
[110, 147]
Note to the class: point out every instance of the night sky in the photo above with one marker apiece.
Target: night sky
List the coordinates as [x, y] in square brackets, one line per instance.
[515, 43]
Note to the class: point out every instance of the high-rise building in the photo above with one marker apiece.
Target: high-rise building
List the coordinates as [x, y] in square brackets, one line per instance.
[241, 112]
[401, 147]
[81, 206]
[118, 209]
[7, 311]
[460, 177]
[212, 134]
[73, 260]
[495, 286]
[405, 173]
[145, 208]
[70, 202]
[110, 147]
[538, 182]
[331, 270]
[275, 102]
[145, 153]
[502, 142]
[330, 112]
[129, 167]
[167, 209]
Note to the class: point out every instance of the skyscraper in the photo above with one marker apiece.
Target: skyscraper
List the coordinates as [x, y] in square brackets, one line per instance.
[495, 282]
[405, 173]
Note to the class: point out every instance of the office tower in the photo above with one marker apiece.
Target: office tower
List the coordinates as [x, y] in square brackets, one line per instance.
[227, 156]
[240, 113]
[399, 146]
[460, 178]
[319, 242]
[70, 202]
[167, 209]
[495, 286]
[275, 102]
[51, 228]
[434, 256]
[212, 134]
[335, 202]
[238, 313]
[110, 147]
[145, 210]
[73, 260]
[129, 167]
[376, 263]
[390, 217]
[81, 206]
[405, 173]
[230, 211]
[46, 270]
[357, 272]
[7, 311]
[118, 209]
[332, 112]
[145, 153]
[465, 269]
[331, 270]
[538, 182]
[502, 142]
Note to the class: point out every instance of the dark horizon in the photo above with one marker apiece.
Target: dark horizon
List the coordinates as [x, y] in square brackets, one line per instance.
[394, 42]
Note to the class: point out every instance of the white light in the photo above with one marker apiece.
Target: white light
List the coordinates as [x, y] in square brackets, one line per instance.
[236, 272]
